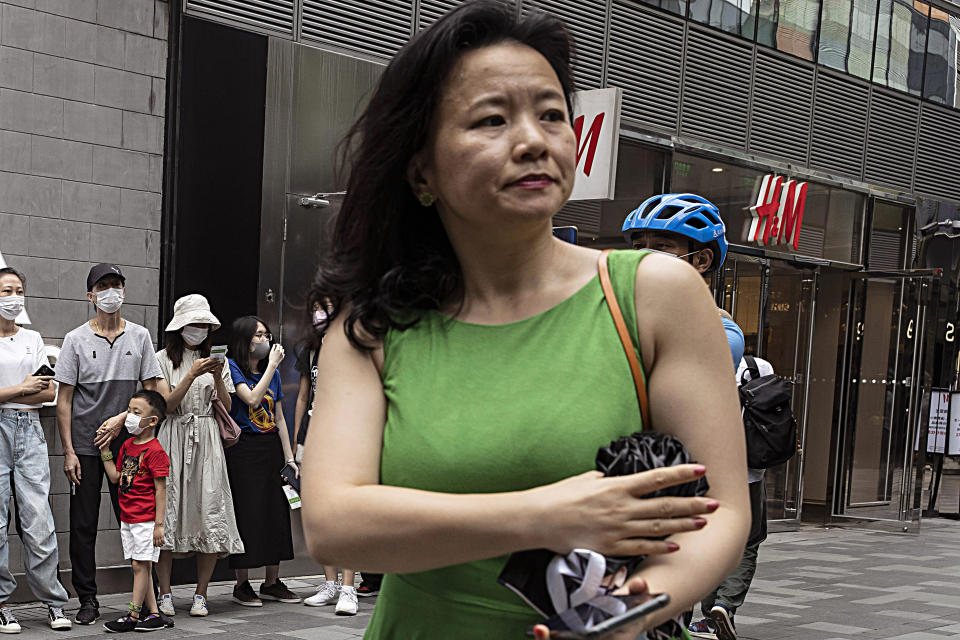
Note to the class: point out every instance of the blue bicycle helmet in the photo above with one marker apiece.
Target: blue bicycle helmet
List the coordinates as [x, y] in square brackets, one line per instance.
[684, 213]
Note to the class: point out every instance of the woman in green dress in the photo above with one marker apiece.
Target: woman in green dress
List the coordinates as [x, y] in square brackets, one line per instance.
[471, 370]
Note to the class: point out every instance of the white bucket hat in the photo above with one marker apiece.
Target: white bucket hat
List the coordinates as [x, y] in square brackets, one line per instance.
[192, 309]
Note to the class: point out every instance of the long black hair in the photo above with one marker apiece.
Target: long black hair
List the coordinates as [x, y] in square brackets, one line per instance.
[174, 346]
[241, 333]
[390, 256]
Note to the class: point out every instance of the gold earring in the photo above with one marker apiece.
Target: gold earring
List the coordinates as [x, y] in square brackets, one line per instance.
[426, 199]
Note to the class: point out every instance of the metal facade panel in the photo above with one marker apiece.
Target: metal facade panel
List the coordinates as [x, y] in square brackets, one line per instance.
[839, 125]
[587, 22]
[891, 140]
[716, 89]
[886, 250]
[938, 172]
[646, 60]
[432, 10]
[782, 106]
[266, 15]
[372, 27]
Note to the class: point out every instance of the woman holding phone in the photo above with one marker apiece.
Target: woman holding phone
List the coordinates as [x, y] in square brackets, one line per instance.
[472, 368]
[26, 382]
[256, 461]
[200, 518]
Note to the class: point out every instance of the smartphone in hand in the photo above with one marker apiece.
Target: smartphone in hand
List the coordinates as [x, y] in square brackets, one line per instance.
[290, 477]
[44, 370]
[602, 615]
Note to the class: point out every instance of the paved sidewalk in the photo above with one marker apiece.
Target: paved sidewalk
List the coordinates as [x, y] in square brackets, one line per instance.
[273, 621]
[832, 584]
[812, 584]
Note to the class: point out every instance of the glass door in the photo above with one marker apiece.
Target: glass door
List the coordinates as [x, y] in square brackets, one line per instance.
[879, 470]
[787, 325]
[772, 302]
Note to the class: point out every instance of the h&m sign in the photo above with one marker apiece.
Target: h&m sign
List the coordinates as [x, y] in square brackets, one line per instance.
[777, 216]
[596, 123]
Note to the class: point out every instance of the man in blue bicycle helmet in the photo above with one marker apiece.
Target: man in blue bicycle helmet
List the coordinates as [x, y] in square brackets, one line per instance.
[689, 227]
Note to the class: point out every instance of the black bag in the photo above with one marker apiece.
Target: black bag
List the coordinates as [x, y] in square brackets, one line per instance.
[771, 428]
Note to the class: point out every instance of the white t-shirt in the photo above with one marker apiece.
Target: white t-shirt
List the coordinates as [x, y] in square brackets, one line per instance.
[765, 369]
[20, 355]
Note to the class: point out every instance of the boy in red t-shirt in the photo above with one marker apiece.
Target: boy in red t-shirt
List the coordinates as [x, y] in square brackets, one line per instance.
[141, 469]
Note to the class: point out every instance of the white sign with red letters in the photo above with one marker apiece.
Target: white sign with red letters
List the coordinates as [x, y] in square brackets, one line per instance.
[596, 122]
[777, 216]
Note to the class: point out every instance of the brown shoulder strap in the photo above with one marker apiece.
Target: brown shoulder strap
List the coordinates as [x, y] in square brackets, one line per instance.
[624, 333]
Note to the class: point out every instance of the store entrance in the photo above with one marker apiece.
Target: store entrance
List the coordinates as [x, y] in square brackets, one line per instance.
[772, 301]
[879, 472]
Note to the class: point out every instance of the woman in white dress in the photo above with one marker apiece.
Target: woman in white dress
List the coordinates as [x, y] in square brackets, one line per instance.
[200, 515]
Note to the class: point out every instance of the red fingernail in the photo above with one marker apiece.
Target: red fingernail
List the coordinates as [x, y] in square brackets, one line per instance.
[673, 546]
[712, 505]
[699, 470]
[700, 522]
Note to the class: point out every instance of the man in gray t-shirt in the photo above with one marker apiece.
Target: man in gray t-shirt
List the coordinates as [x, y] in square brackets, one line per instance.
[101, 364]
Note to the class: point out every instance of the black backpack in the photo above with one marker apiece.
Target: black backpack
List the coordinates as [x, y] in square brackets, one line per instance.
[771, 428]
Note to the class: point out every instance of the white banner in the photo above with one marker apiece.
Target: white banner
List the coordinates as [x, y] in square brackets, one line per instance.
[953, 438]
[596, 121]
[936, 431]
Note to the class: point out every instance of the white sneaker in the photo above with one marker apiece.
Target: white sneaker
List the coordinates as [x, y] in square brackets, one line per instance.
[8, 621]
[166, 605]
[347, 604]
[326, 594]
[57, 620]
[199, 606]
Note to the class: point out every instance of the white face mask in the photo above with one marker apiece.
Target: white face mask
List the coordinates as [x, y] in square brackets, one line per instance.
[109, 301]
[133, 424]
[193, 336]
[11, 306]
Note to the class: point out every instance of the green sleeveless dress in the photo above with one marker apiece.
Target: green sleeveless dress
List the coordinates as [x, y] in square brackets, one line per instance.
[480, 409]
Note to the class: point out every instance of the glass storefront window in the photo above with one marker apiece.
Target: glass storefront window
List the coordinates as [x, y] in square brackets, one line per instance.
[832, 217]
[733, 16]
[789, 26]
[941, 79]
[846, 36]
[901, 45]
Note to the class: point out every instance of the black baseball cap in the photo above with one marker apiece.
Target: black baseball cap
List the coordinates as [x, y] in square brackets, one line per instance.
[101, 271]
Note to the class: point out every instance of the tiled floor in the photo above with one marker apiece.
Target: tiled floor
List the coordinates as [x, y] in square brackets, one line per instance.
[812, 584]
[828, 584]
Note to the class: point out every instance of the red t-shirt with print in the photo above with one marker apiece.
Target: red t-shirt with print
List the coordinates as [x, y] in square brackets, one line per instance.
[138, 465]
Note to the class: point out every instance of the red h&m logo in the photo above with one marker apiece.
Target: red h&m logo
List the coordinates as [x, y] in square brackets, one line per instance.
[590, 144]
[778, 214]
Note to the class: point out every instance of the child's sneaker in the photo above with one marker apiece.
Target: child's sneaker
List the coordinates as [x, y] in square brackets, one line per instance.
[151, 623]
[166, 605]
[57, 620]
[347, 604]
[121, 625]
[199, 606]
[702, 628]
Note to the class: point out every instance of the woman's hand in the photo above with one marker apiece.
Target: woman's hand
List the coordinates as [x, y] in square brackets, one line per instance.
[276, 355]
[202, 366]
[296, 469]
[634, 587]
[34, 384]
[610, 516]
